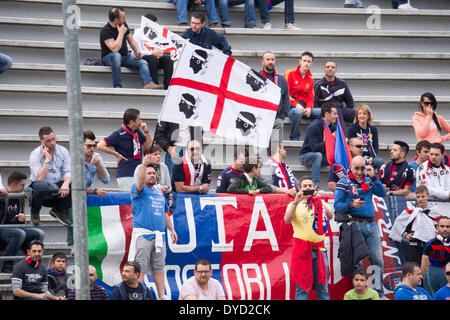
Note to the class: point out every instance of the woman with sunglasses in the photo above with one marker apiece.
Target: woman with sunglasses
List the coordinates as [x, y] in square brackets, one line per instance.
[427, 124]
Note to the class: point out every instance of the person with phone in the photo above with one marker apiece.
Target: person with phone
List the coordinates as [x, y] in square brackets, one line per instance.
[309, 216]
[353, 201]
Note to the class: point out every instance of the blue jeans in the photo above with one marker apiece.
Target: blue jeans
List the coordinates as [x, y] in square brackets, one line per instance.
[169, 161]
[17, 238]
[296, 117]
[250, 16]
[434, 279]
[288, 10]
[315, 160]
[115, 61]
[322, 289]
[5, 62]
[182, 7]
[371, 235]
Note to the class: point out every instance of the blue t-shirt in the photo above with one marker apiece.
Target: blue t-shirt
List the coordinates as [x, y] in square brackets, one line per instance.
[149, 209]
[443, 293]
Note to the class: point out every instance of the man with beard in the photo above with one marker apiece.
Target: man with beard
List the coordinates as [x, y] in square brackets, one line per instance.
[201, 286]
[397, 175]
[131, 288]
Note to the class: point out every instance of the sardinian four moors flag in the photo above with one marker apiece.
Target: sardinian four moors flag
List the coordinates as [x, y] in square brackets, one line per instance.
[222, 95]
[336, 149]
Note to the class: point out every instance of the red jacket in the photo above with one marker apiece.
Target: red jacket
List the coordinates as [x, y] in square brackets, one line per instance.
[300, 89]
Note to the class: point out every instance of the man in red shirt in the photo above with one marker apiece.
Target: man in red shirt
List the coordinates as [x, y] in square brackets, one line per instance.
[301, 94]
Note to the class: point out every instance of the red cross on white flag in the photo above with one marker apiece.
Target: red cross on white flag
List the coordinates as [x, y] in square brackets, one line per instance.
[223, 95]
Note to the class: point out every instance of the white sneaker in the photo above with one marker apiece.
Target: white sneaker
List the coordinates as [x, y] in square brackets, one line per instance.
[406, 6]
[267, 26]
[164, 297]
[292, 26]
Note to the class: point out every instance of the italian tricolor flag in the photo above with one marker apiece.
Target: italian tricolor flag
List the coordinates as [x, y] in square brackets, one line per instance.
[110, 225]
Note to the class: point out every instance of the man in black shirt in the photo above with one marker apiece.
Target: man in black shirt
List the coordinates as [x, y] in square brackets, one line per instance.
[114, 50]
[131, 288]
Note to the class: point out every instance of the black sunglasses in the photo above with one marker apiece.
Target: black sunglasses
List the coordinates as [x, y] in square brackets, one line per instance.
[428, 103]
[358, 145]
[447, 273]
[360, 168]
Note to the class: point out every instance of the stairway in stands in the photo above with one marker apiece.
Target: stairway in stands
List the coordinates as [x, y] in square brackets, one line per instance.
[387, 68]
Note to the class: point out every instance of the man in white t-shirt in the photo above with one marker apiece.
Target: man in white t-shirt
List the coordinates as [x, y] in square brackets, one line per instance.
[201, 286]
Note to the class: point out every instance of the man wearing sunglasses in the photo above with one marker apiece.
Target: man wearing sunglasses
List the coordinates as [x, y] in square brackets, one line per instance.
[353, 200]
[444, 292]
[93, 165]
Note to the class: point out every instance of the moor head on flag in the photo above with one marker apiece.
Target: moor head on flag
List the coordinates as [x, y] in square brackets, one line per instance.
[256, 81]
[188, 105]
[199, 61]
[246, 122]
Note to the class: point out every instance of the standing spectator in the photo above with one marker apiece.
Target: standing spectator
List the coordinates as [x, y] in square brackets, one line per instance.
[156, 59]
[12, 211]
[205, 37]
[415, 226]
[333, 89]
[360, 290]
[309, 216]
[193, 174]
[444, 292]
[58, 278]
[422, 154]
[356, 148]
[269, 72]
[5, 62]
[150, 218]
[50, 178]
[436, 255]
[427, 124]
[128, 142]
[434, 174]
[131, 288]
[353, 197]
[396, 175]
[227, 176]
[289, 18]
[250, 16]
[201, 286]
[114, 50]
[368, 133]
[312, 153]
[184, 5]
[409, 288]
[93, 165]
[29, 279]
[96, 292]
[301, 94]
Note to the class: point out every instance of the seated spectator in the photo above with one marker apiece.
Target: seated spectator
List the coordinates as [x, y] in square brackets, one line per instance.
[436, 255]
[129, 141]
[50, 178]
[156, 59]
[301, 94]
[131, 288]
[333, 89]
[289, 18]
[409, 288]
[422, 154]
[12, 211]
[427, 124]
[201, 286]
[227, 176]
[193, 174]
[312, 153]
[396, 175]
[434, 174]
[356, 148]
[415, 227]
[368, 133]
[96, 292]
[5, 62]
[444, 292]
[360, 289]
[184, 5]
[250, 16]
[249, 182]
[29, 279]
[163, 181]
[278, 173]
[114, 50]
[93, 165]
[58, 278]
[205, 37]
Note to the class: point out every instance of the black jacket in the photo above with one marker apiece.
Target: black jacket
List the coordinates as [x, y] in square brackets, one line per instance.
[352, 248]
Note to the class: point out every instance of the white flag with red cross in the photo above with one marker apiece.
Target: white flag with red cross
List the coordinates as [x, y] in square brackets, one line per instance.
[222, 95]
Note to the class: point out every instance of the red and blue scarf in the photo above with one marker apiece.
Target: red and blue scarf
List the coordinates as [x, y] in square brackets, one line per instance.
[320, 223]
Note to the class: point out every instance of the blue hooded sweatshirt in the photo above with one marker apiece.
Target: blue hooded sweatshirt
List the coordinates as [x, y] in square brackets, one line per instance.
[403, 292]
